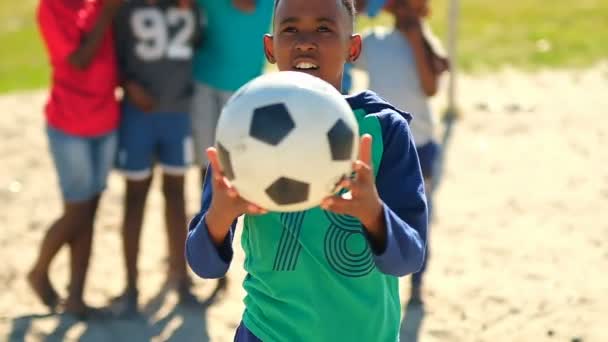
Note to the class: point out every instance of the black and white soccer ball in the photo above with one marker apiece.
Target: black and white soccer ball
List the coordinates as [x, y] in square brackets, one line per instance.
[285, 139]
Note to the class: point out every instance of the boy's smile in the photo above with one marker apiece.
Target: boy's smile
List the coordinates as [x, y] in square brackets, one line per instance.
[313, 36]
[306, 63]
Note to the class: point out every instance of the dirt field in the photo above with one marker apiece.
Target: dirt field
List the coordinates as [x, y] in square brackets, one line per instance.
[519, 246]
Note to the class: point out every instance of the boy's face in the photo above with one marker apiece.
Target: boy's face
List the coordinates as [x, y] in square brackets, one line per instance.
[313, 36]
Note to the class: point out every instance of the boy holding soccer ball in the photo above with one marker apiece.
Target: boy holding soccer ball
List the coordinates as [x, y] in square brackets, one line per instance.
[330, 282]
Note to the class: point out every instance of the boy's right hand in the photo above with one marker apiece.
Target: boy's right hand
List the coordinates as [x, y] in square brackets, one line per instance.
[138, 96]
[226, 204]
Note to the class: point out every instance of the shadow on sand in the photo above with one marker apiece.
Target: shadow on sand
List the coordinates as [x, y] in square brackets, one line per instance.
[412, 322]
[157, 321]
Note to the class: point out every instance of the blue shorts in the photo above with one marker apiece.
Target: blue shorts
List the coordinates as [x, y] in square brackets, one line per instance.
[147, 138]
[428, 155]
[243, 334]
[82, 163]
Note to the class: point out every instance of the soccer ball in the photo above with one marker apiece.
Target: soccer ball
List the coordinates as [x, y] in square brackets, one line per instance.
[286, 139]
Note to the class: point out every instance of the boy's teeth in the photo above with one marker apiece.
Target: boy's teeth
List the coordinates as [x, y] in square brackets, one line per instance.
[305, 65]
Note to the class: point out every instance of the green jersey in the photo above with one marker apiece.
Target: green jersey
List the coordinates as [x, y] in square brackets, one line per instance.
[312, 275]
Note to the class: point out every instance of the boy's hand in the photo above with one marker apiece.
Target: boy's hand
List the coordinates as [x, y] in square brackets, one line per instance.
[411, 27]
[139, 97]
[440, 64]
[112, 6]
[226, 204]
[244, 5]
[364, 202]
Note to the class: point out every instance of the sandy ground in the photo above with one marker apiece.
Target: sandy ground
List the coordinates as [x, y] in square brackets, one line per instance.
[519, 246]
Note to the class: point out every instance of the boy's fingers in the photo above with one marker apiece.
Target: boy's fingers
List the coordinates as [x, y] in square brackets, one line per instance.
[365, 149]
[255, 210]
[337, 205]
[363, 171]
[218, 176]
[232, 193]
[346, 184]
[216, 167]
[214, 162]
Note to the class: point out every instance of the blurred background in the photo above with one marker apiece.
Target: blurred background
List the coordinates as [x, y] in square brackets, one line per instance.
[520, 237]
[525, 34]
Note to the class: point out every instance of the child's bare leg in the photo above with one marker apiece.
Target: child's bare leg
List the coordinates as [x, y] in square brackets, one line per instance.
[416, 292]
[61, 232]
[80, 254]
[135, 202]
[134, 205]
[175, 219]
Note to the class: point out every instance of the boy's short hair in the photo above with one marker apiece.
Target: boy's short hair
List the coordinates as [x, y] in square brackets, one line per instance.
[348, 4]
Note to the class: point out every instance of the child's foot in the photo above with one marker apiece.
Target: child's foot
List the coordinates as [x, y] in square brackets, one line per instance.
[185, 295]
[41, 285]
[220, 288]
[183, 285]
[125, 305]
[79, 310]
[222, 285]
[416, 295]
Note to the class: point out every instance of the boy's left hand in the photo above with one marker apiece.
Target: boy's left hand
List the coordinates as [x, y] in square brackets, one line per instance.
[364, 202]
[139, 96]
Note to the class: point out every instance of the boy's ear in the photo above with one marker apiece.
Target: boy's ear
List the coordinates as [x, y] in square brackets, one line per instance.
[356, 45]
[269, 48]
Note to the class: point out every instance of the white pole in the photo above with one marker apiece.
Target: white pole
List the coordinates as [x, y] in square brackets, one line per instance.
[451, 113]
[453, 14]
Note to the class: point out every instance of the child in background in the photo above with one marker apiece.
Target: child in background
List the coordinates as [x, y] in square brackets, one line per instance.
[155, 43]
[371, 8]
[319, 298]
[82, 116]
[404, 65]
[234, 28]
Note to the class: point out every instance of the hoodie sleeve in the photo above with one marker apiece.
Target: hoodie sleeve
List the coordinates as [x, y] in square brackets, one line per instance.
[400, 186]
[205, 258]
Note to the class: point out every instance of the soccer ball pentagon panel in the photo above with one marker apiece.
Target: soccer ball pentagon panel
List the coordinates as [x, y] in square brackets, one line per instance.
[285, 139]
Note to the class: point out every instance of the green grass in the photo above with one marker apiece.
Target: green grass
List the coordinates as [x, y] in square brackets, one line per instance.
[492, 34]
[23, 62]
[528, 34]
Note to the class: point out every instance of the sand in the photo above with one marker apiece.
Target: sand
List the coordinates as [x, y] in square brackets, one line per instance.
[519, 245]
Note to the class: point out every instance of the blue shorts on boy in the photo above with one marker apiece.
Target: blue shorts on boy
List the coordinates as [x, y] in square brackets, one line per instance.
[146, 139]
[82, 163]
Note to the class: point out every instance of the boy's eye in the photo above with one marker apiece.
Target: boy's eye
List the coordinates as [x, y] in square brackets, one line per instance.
[324, 29]
[290, 29]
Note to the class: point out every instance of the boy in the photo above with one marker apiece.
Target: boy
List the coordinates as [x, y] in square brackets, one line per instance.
[341, 282]
[155, 46]
[82, 117]
[219, 68]
[371, 9]
[411, 50]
